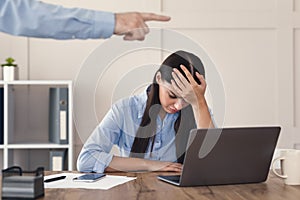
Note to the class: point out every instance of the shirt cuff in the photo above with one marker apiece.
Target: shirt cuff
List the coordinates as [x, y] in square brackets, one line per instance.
[104, 24]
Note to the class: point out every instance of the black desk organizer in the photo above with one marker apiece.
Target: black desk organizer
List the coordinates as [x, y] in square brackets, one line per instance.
[18, 184]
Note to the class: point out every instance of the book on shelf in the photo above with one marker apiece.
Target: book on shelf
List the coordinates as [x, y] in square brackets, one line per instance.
[58, 161]
[1, 115]
[58, 115]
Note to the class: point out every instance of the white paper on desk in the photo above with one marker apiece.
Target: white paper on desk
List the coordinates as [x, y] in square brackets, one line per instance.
[105, 183]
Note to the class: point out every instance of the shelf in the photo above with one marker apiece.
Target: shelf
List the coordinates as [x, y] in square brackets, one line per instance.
[38, 146]
[26, 118]
[37, 82]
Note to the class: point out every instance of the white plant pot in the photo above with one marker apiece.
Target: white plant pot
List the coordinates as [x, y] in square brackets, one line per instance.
[9, 73]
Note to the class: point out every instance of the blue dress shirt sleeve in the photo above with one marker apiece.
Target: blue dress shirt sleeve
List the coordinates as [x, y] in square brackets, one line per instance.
[95, 155]
[33, 18]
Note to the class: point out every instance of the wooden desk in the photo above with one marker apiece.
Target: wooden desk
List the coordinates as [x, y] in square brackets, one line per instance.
[147, 186]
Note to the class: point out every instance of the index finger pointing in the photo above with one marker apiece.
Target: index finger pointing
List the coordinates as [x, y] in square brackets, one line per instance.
[154, 17]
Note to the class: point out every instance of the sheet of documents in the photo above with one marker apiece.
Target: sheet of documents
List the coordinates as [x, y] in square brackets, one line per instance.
[105, 183]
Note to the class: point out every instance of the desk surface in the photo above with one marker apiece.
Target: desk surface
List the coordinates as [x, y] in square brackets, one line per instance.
[147, 186]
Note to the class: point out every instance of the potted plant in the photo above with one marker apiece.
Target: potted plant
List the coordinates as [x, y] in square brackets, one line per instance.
[9, 70]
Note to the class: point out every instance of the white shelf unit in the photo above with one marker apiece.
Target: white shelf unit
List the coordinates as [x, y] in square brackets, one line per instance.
[25, 134]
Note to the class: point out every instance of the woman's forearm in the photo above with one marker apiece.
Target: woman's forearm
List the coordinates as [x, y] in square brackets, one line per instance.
[127, 164]
[202, 115]
[139, 164]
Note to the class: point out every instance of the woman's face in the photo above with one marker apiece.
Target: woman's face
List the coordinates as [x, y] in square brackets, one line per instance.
[170, 101]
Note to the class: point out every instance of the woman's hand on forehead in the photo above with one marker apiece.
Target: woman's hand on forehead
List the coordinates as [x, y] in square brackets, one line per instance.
[188, 88]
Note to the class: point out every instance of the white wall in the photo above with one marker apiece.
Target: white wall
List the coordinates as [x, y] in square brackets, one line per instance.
[254, 45]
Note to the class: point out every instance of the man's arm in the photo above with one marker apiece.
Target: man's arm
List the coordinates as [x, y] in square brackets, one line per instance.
[33, 18]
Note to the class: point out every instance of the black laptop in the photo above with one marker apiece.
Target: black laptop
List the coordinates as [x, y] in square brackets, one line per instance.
[227, 156]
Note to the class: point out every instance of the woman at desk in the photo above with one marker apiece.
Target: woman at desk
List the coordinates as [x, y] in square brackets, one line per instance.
[151, 129]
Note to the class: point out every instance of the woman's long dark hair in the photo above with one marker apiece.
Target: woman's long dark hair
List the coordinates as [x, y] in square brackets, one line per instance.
[185, 121]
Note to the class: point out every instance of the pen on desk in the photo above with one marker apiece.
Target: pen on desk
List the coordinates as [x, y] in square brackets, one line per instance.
[54, 179]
